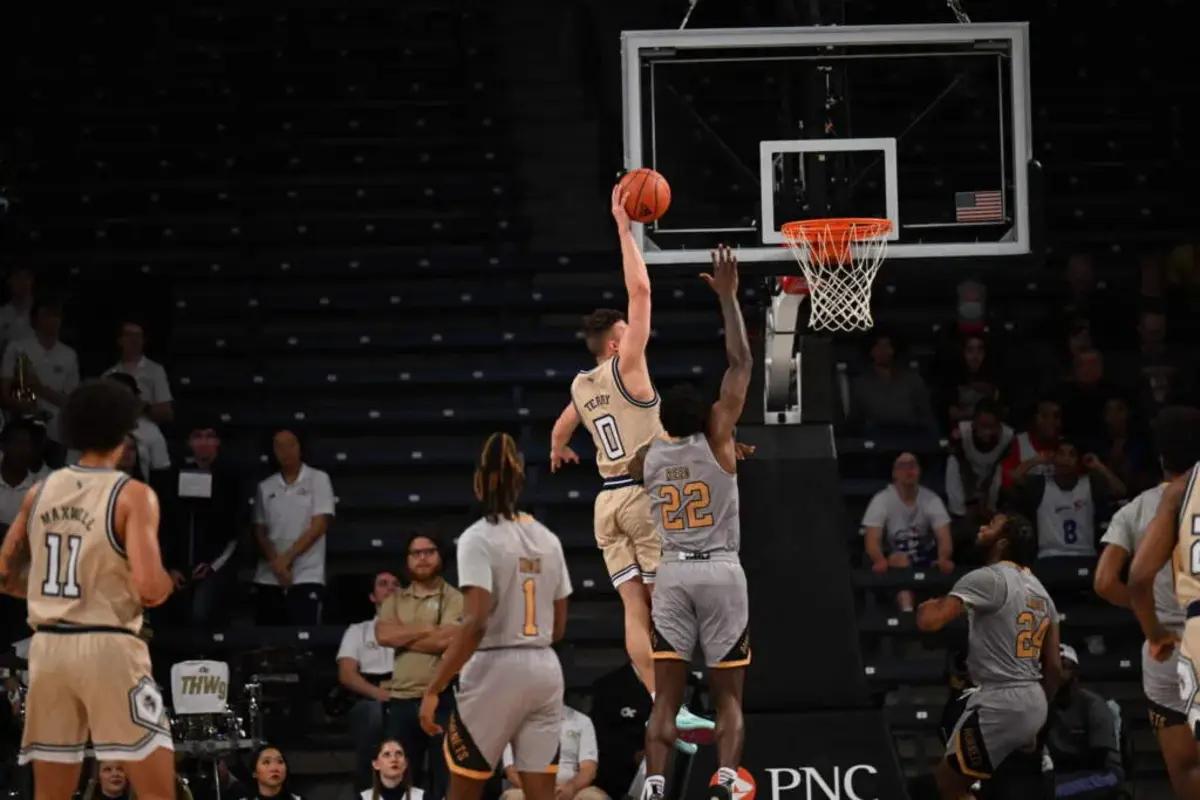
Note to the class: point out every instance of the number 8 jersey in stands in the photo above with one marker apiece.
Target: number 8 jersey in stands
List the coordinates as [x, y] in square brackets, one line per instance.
[620, 425]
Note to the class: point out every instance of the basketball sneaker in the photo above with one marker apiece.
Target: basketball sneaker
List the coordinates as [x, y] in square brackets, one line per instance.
[685, 720]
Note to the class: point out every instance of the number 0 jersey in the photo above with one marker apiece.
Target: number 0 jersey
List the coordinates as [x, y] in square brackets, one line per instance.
[619, 424]
[1187, 550]
[520, 563]
[694, 500]
[78, 573]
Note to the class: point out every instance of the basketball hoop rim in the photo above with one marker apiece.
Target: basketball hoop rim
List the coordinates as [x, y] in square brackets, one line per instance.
[862, 229]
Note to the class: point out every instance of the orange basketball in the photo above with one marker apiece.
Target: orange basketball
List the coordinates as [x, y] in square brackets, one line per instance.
[744, 788]
[649, 194]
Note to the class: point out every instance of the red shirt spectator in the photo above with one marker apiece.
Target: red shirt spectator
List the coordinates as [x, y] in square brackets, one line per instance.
[1036, 445]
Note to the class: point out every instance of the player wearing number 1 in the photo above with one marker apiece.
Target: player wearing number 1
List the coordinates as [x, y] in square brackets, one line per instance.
[515, 587]
[1013, 655]
[83, 551]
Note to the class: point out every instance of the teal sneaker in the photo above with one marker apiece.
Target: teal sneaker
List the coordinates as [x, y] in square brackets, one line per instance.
[687, 748]
[687, 721]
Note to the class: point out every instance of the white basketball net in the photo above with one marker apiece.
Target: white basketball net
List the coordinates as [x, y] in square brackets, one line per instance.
[839, 261]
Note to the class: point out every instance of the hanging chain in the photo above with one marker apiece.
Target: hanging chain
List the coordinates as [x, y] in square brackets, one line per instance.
[959, 13]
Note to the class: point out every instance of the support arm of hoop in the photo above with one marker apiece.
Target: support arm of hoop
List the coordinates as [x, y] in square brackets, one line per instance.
[780, 340]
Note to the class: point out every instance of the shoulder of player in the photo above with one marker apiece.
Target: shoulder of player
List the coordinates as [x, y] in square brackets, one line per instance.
[131, 490]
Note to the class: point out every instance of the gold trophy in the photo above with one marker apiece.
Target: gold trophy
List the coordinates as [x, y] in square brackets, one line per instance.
[23, 391]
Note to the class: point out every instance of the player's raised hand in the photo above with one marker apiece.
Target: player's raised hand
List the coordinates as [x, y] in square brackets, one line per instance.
[429, 704]
[562, 455]
[1162, 643]
[724, 278]
[743, 451]
[620, 215]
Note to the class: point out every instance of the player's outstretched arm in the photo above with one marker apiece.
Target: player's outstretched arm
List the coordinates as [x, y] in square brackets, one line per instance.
[14, 553]
[728, 409]
[935, 614]
[137, 527]
[1052, 671]
[477, 604]
[1108, 583]
[560, 438]
[637, 286]
[1155, 551]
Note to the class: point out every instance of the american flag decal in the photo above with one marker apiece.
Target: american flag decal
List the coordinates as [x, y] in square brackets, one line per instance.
[978, 206]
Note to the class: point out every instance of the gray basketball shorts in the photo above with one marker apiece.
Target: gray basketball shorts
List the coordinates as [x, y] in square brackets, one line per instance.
[511, 694]
[997, 722]
[1160, 683]
[705, 602]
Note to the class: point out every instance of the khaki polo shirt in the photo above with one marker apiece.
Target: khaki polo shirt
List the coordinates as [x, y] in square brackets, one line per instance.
[443, 606]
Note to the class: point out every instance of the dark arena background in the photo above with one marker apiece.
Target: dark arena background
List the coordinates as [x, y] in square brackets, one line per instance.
[378, 226]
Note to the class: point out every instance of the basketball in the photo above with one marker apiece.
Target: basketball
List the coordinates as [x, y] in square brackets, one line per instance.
[649, 194]
[744, 788]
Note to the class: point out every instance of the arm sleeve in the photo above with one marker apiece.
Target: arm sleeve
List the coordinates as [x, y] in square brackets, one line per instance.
[349, 646]
[162, 386]
[507, 758]
[322, 495]
[588, 750]
[955, 496]
[260, 506]
[876, 514]
[452, 614]
[474, 566]
[981, 590]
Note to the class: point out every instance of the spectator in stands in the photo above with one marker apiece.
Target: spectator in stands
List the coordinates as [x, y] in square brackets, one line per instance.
[420, 621]
[969, 380]
[292, 512]
[1083, 396]
[1033, 449]
[108, 782]
[153, 454]
[1081, 735]
[906, 525]
[390, 774]
[364, 666]
[971, 310]
[154, 388]
[888, 397]
[206, 516]
[21, 440]
[50, 373]
[620, 711]
[15, 314]
[130, 463]
[973, 468]
[578, 759]
[1067, 505]
[1126, 451]
[268, 777]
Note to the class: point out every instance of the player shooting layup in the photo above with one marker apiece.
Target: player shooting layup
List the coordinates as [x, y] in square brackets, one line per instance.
[618, 404]
[691, 479]
[1125, 535]
[84, 552]
[1174, 536]
[1012, 655]
[515, 587]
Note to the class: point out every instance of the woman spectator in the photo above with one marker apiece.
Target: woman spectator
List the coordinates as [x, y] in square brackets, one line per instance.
[392, 781]
[969, 379]
[108, 782]
[268, 777]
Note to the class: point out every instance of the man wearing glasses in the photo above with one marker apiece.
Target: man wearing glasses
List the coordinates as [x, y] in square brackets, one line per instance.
[419, 621]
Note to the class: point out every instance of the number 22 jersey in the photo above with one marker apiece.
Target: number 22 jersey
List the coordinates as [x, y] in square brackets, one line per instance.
[520, 563]
[619, 424]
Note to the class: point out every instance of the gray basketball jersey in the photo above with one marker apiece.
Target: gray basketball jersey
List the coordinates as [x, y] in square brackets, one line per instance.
[694, 501]
[1127, 530]
[520, 562]
[1010, 613]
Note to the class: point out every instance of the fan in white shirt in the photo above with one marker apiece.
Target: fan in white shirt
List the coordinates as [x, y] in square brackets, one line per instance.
[153, 386]
[153, 454]
[392, 781]
[51, 368]
[14, 315]
[20, 439]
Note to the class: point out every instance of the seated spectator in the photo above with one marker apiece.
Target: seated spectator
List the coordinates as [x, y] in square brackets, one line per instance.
[292, 511]
[268, 777]
[1066, 505]
[153, 454]
[390, 778]
[973, 468]
[153, 386]
[130, 462]
[1033, 449]
[420, 621]
[906, 525]
[364, 666]
[21, 440]
[888, 397]
[577, 762]
[1126, 451]
[206, 515]
[1083, 396]
[15, 314]
[969, 380]
[1081, 735]
[50, 371]
[108, 782]
[620, 711]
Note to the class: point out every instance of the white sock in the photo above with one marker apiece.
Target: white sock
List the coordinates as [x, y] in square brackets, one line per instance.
[652, 697]
[653, 787]
[726, 776]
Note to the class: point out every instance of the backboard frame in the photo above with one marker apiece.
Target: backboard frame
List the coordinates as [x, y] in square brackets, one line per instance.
[633, 43]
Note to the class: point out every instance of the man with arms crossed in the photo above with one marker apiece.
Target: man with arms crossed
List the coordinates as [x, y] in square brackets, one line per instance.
[1125, 535]
[84, 552]
[691, 479]
[1013, 655]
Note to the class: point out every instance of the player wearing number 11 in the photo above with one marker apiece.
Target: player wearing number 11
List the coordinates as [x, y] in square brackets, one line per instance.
[83, 550]
[1013, 655]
